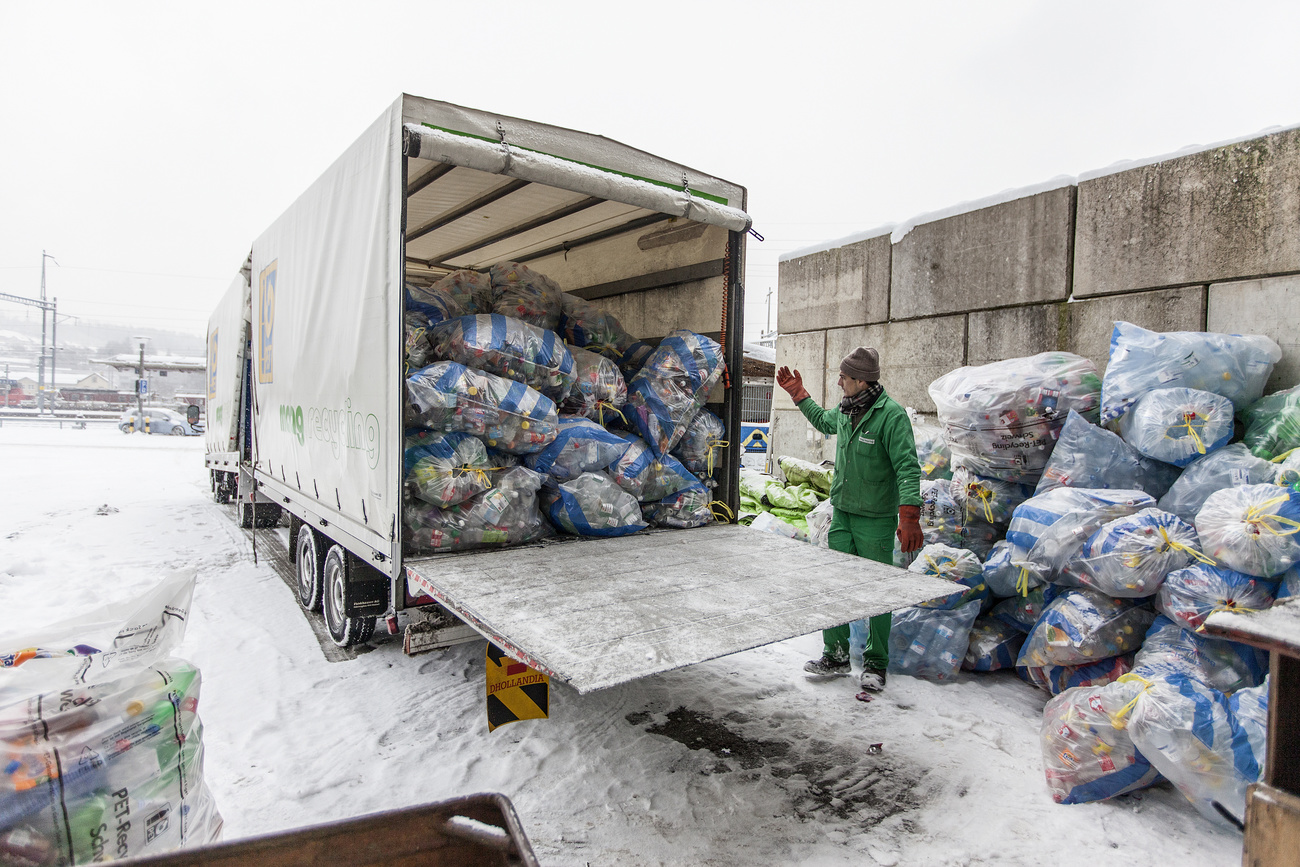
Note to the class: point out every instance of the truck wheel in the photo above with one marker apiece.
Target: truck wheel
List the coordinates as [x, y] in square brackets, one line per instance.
[344, 631]
[309, 555]
[178, 431]
[245, 514]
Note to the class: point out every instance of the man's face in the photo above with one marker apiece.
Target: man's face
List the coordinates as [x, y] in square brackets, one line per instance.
[851, 386]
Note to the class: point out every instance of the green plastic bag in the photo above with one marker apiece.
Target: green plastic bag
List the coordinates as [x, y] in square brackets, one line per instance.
[1272, 424]
[781, 497]
[801, 472]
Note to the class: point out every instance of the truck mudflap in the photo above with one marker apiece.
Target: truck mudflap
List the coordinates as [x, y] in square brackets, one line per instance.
[597, 613]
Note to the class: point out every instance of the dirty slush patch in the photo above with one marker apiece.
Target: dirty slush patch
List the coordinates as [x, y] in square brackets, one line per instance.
[822, 779]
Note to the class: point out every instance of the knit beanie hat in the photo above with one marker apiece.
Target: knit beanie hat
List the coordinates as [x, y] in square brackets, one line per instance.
[862, 364]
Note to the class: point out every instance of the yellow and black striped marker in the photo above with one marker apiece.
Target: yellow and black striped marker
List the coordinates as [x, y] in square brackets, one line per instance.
[514, 691]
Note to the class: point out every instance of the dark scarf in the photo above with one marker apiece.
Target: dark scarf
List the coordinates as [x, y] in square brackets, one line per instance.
[855, 406]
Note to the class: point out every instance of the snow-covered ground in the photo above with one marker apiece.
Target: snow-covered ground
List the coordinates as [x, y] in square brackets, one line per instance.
[736, 761]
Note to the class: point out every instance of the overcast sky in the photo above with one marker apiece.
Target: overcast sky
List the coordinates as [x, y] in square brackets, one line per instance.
[145, 145]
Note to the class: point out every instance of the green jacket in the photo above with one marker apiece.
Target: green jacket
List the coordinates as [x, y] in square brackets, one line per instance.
[876, 469]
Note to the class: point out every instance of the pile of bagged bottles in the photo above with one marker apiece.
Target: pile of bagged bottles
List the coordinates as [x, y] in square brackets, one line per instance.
[1090, 524]
[530, 411]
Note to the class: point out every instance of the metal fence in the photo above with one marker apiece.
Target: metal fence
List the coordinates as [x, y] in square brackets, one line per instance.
[756, 401]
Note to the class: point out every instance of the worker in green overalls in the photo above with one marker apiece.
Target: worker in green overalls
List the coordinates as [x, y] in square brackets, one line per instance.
[876, 492]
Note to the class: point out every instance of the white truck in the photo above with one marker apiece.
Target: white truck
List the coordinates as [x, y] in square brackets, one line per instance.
[306, 396]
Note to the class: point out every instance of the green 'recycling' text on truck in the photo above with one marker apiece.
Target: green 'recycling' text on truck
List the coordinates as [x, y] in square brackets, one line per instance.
[307, 401]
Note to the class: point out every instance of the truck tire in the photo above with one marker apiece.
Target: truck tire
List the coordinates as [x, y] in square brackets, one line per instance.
[309, 554]
[343, 630]
[245, 514]
[178, 431]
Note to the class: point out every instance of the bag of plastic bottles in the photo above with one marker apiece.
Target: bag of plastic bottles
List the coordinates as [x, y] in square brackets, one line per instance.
[989, 499]
[1224, 665]
[508, 348]
[417, 352]
[598, 389]
[931, 643]
[506, 514]
[1003, 576]
[801, 472]
[1020, 612]
[943, 520]
[955, 565]
[1087, 752]
[432, 305]
[522, 293]
[1177, 425]
[589, 327]
[445, 468]
[700, 445]
[647, 477]
[690, 507]
[1087, 456]
[1187, 731]
[931, 449]
[1129, 557]
[581, 446]
[471, 290]
[1002, 419]
[1232, 365]
[665, 394]
[1253, 529]
[1056, 679]
[593, 505]
[1289, 583]
[1228, 467]
[1190, 595]
[993, 645]
[630, 359]
[102, 743]
[1051, 528]
[1273, 424]
[510, 416]
[1082, 626]
[819, 524]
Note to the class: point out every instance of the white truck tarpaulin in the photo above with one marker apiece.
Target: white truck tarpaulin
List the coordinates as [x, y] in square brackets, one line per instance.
[500, 158]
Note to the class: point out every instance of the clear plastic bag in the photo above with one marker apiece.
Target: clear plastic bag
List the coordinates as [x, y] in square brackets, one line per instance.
[1087, 752]
[1273, 424]
[1232, 365]
[1187, 731]
[471, 290]
[509, 348]
[587, 326]
[593, 505]
[700, 445]
[951, 564]
[1082, 626]
[931, 643]
[1002, 419]
[1177, 425]
[598, 389]
[522, 293]
[581, 446]
[801, 472]
[931, 449]
[987, 499]
[1130, 556]
[943, 520]
[649, 478]
[417, 351]
[1188, 596]
[1003, 576]
[445, 468]
[819, 524]
[769, 523]
[1289, 583]
[1224, 665]
[1228, 467]
[509, 416]
[993, 645]
[665, 394]
[1020, 612]
[432, 305]
[688, 508]
[1050, 528]
[506, 514]
[1253, 529]
[1087, 456]
[1056, 679]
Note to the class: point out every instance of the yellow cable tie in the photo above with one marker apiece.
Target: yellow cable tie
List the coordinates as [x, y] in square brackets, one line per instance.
[1118, 718]
[718, 504]
[717, 444]
[1022, 582]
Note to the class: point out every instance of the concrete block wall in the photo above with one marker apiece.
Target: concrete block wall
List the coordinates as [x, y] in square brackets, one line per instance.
[1208, 241]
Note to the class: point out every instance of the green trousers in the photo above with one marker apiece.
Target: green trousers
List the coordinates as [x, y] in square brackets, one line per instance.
[872, 538]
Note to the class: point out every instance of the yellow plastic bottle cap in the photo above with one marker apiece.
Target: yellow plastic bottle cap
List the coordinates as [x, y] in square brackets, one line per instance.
[473, 389]
[135, 707]
[492, 442]
[524, 425]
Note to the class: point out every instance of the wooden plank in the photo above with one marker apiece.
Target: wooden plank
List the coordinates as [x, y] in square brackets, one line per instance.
[603, 612]
[1272, 837]
[1276, 629]
[477, 829]
[1282, 763]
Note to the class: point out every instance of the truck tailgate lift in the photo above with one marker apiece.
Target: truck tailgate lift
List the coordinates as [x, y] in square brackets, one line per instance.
[597, 615]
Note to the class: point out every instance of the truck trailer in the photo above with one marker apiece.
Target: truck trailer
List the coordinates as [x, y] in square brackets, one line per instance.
[306, 395]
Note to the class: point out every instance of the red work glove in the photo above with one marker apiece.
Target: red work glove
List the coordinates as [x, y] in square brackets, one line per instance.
[793, 384]
[909, 529]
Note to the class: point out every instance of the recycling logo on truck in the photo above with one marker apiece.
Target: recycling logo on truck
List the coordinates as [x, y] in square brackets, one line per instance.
[266, 322]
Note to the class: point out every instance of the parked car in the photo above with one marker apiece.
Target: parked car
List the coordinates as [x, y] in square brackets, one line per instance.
[157, 420]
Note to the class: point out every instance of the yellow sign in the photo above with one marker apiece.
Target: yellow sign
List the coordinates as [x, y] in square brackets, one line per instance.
[514, 691]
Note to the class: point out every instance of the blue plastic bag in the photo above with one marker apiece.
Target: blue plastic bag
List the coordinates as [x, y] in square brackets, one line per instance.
[509, 348]
[669, 390]
[931, 643]
[1083, 626]
[1050, 528]
[592, 505]
[1087, 456]
[993, 645]
[1130, 556]
[579, 447]
[509, 416]
[1188, 596]
[1224, 665]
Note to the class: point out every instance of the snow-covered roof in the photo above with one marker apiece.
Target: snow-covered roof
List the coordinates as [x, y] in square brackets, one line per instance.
[759, 352]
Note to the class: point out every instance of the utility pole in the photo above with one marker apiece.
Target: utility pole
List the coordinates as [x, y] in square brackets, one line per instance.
[40, 385]
[769, 311]
[139, 392]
